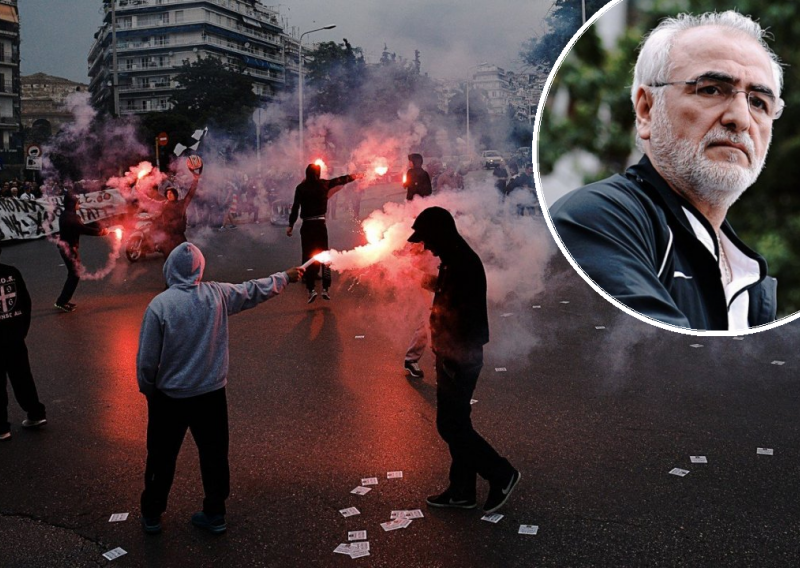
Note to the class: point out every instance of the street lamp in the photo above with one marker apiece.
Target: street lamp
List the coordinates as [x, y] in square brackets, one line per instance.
[300, 78]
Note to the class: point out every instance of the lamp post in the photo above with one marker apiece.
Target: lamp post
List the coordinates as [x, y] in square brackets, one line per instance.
[300, 80]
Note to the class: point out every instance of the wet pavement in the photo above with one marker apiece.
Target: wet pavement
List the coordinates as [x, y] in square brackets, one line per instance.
[594, 419]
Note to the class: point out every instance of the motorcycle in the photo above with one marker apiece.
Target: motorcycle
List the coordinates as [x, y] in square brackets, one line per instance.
[141, 241]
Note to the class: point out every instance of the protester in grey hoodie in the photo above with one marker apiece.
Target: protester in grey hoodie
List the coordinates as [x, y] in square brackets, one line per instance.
[182, 368]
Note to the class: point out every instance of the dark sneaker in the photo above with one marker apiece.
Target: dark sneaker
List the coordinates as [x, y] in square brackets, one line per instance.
[447, 499]
[312, 295]
[499, 494]
[212, 523]
[65, 307]
[5, 436]
[28, 423]
[414, 369]
[325, 294]
[151, 525]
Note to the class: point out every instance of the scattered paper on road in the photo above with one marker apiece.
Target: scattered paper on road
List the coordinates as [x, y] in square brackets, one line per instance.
[778, 362]
[764, 451]
[369, 481]
[115, 553]
[698, 459]
[473, 400]
[118, 517]
[359, 337]
[508, 315]
[678, 471]
[394, 474]
[359, 553]
[357, 535]
[738, 338]
[696, 345]
[528, 529]
[596, 327]
[249, 270]
[536, 307]
[396, 524]
[564, 302]
[361, 490]
[349, 512]
[500, 369]
[493, 518]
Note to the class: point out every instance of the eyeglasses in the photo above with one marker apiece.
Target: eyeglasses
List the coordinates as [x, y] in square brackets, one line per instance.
[716, 91]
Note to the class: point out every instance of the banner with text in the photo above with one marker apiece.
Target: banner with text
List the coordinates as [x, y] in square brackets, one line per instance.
[21, 219]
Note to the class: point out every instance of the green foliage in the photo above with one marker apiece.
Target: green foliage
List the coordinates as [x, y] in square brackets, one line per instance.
[215, 94]
[333, 75]
[600, 120]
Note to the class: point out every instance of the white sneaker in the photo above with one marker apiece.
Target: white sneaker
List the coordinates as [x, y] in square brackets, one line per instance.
[312, 295]
[28, 423]
[325, 294]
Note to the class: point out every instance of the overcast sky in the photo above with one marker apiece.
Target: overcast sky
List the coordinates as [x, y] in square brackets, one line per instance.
[452, 36]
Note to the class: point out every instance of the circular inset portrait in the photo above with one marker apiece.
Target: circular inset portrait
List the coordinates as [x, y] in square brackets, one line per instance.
[653, 156]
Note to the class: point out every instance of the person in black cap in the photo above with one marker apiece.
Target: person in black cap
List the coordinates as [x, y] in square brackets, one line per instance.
[15, 320]
[459, 330]
[70, 229]
[311, 197]
[417, 180]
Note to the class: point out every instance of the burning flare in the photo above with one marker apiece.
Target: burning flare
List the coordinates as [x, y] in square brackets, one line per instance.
[381, 170]
[118, 233]
[323, 257]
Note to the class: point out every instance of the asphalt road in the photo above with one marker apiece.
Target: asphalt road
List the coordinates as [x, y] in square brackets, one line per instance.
[594, 419]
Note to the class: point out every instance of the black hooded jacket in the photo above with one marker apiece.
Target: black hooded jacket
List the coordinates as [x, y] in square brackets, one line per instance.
[70, 225]
[417, 182]
[15, 307]
[630, 235]
[312, 194]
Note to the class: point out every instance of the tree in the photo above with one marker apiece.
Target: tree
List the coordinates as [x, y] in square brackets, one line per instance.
[335, 73]
[215, 94]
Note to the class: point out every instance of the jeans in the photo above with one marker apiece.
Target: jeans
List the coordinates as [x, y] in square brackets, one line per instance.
[73, 263]
[314, 240]
[471, 454]
[168, 419]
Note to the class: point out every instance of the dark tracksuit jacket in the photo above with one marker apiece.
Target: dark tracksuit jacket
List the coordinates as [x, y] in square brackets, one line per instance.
[418, 182]
[630, 235]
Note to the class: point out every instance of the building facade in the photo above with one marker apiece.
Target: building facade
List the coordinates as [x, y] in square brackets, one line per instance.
[43, 97]
[10, 112]
[154, 38]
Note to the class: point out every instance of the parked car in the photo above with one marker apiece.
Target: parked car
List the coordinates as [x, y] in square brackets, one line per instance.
[491, 159]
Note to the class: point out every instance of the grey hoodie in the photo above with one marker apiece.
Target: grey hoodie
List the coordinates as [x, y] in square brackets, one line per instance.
[183, 344]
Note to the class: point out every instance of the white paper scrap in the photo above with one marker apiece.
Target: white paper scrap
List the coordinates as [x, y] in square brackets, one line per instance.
[778, 362]
[357, 535]
[536, 307]
[369, 481]
[349, 512]
[473, 400]
[678, 471]
[564, 302]
[395, 524]
[493, 518]
[359, 546]
[698, 459]
[506, 315]
[115, 553]
[696, 345]
[738, 338]
[359, 337]
[528, 529]
[764, 451]
[500, 369]
[342, 549]
[249, 270]
[407, 514]
[361, 490]
[118, 517]
[359, 553]
[394, 475]
[598, 327]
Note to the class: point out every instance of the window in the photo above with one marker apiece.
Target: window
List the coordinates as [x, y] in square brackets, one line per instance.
[178, 16]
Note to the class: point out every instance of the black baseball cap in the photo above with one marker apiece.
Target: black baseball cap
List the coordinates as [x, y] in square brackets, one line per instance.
[431, 222]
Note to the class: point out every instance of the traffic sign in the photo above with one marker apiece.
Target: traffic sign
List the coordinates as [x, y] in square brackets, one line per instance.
[34, 151]
[32, 163]
[162, 139]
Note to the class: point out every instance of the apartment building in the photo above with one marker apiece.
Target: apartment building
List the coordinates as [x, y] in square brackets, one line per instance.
[155, 37]
[10, 117]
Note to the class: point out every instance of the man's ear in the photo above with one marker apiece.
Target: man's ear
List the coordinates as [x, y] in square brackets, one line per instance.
[643, 106]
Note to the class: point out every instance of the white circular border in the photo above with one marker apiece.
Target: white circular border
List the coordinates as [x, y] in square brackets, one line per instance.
[546, 210]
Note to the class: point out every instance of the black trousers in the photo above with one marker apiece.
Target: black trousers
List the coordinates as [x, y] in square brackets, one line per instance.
[73, 263]
[14, 364]
[206, 416]
[314, 240]
[471, 454]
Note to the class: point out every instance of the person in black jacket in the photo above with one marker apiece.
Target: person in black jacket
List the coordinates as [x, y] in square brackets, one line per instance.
[311, 204]
[417, 180]
[459, 330]
[657, 238]
[15, 320]
[173, 212]
[70, 229]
